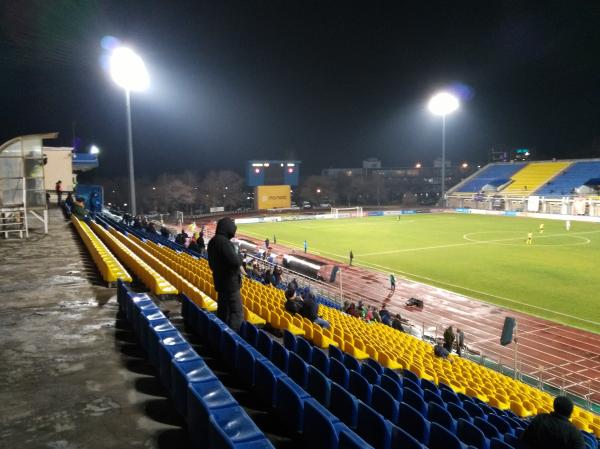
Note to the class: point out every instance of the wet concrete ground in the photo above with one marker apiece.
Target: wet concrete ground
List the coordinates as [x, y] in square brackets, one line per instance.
[71, 375]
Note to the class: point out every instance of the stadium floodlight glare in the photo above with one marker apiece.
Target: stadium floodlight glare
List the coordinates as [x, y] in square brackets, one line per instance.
[128, 71]
[442, 104]
[418, 165]
[94, 149]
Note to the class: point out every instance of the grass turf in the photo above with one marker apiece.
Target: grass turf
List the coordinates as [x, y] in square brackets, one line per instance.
[484, 257]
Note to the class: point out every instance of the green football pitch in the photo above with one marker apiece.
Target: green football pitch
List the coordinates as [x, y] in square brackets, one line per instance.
[484, 257]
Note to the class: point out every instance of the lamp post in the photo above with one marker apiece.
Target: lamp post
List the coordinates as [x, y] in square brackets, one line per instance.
[443, 104]
[128, 71]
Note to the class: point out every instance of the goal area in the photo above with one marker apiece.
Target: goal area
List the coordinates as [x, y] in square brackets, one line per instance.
[346, 212]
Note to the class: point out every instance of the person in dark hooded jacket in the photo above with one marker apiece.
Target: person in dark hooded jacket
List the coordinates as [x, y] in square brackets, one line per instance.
[225, 263]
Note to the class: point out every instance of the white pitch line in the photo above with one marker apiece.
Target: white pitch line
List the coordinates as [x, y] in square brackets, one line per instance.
[472, 242]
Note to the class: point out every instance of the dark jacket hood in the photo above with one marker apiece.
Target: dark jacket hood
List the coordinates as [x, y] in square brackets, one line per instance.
[227, 227]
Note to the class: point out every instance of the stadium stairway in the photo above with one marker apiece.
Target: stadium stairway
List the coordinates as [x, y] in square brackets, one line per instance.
[533, 176]
[573, 177]
[391, 348]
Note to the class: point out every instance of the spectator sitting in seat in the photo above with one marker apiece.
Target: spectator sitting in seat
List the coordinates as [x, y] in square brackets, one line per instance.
[310, 310]
[79, 209]
[193, 246]
[293, 303]
[397, 323]
[150, 228]
[181, 237]
[440, 351]
[553, 430]
[386, 318]
[165, 232]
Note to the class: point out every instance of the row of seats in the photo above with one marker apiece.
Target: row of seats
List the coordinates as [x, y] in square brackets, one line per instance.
[300, 413]
[573, 177]
[389, 347]
[534, 175]
[212, 414]
[108, 265]
[491, 174]
[151, 279]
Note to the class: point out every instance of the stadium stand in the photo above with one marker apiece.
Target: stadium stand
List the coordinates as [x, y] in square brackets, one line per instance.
[473, 403]
[534, 175]
[108, 265]
[494, 174]
[570, 179]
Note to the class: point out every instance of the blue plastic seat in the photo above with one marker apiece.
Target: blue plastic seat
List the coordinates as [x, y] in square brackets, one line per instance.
[338, 372]
[244, 365]
[202, 400]
[229, 347]
[251, 334]
[441, 416]
[343, 405]
[350, 440]
[513, 441]
[183, 373]
[156, 333]
[393, 374]
[373, 428]
[489, 430]
[450, 396]
[391, 386]
[473, 410]
[414, 386]
[441, 438]
[429, 396]
[370, 374]
[215, 332]
[501, 424]
[319, 386]
[430, 386]
[336, 353]
[410, 375]
[401, 439]
[289, 341]
[289, 403]
[304, 349]
[360, 387]
[219, 439]
[351, 363]
[265, 381]
[469, 434]
[297, 369]
[375, 365]
[321, 428]
[496, 443]
[147, 314]
[264, 344]
[412, 398]
[189, 314]
[384, 403]
[201, 326]
[166, 350]
[233, 426]
[279, 356]
[413, 422]
[457, 412]
[320, 360]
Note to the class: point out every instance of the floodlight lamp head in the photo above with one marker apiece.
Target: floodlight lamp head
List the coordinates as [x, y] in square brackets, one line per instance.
[94, 149]
[443, 104]
[128, 71]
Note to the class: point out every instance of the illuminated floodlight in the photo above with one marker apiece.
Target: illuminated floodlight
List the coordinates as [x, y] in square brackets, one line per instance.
[318, 190]
[257, 165]
[291, 164]
[465, 165]
[290, 170]
[128, 71]
[94, 149]
[443, 104]
[418, 165]
[257, 170]
[266, 164]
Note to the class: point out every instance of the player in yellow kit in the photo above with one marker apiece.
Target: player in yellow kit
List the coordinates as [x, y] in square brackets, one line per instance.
[529, 240]
[541, 228]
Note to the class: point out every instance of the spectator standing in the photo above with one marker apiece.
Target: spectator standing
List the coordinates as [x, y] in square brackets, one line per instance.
[267, 243]
[460, 341]
[392, 282]
[182, 237]
[59, 191]
[553, 430]
[277, 272]
[449, 338]
[225, 263]
[200, 243]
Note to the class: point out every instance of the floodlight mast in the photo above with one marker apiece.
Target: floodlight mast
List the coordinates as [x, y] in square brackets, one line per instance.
[443, 103]
[128, 71]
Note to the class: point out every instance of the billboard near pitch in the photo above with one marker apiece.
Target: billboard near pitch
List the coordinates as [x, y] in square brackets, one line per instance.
[273, 197]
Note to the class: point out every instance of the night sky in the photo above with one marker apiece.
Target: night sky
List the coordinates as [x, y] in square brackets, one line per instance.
[329, 83]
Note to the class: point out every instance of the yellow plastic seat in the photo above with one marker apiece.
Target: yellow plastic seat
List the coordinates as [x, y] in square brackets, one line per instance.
[581, 424]
[356, 353]
[388, 362]
[519, 410]
[253, 318]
